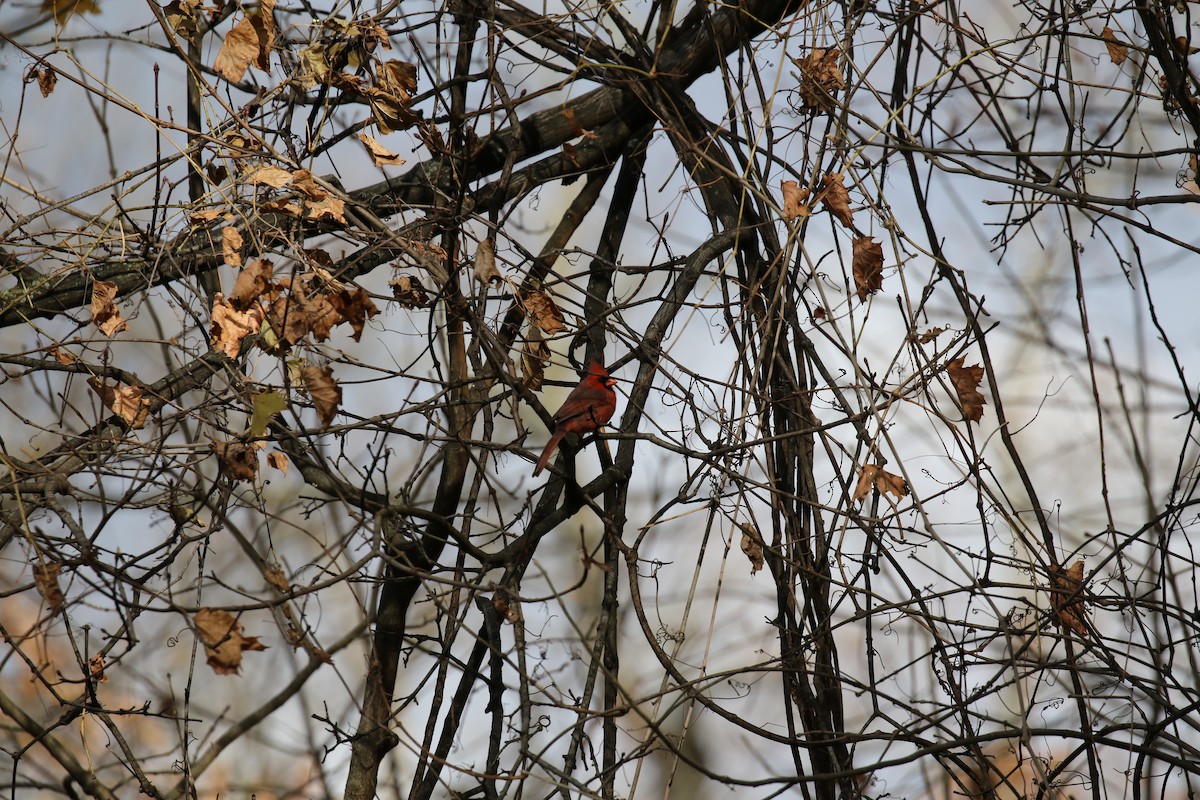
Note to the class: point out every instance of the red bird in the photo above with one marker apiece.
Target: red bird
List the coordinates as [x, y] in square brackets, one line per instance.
[587, 407]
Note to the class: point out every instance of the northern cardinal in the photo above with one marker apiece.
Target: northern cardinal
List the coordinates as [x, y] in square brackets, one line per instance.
[587, 407]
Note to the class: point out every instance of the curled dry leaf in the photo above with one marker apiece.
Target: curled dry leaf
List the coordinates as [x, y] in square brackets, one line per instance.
[224, 643]
[268, 175]
[820, 77]
[391, 97]
[875, 476]
[181, 16]
[64, 357]
[253, 284]
[105, 315]
[836, 198]
[124, 401]
[45, 578]
[931, 334]
[794, 205]
[46, 79]
[534, 358]
[867, 266]
[1066, 592]
[231, 246]
[278, 460]
[96, 668]
[229, 326]
[278, 580]
[1118, 51]
[248, 41]
[409, 291]
[238, 460]
[485, 263]
[380, 155]
[355, 306]
[576, 128]
[966, 382]
[752, 546]
[324, 391]
[544, 313]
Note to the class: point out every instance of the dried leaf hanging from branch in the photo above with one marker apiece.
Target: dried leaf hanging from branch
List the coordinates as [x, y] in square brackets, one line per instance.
[966, 382]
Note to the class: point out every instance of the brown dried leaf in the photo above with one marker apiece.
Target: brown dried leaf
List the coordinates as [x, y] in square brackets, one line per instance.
[966, 382]
[46, 79]
[229, 325]
[380, 155]
[931, 334]
[252, 284]
[534, 358]
[867, 266]
[752, 546]
[206, 215]
[1066, 592]
[45, 578]
[409, 291]
[231, 246]
[353, 305]
[281, 205]
[96, 668]
[793, 201]
[874, 476]
[105, 315]
[1118, 51]
[268, 175]
[330, 207]
[391, 97]
[264, 26]
[238, 460]
[820, 77]
[836, 198]
[63, 9]
[124, 401]
[506, 605]
[485, 263]
[181, 16]
[64, 357]
[239, 49]
[278, 460]
[544, 313]
[223, 641]
[324, 391]
[278, 580]
[576, 128]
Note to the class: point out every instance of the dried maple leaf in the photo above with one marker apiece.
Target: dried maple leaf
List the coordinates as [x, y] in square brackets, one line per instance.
[966, 382]
[752, 546]
[793, 201]
[124, 401]
[45, 578]
[836, 198]
[238, 460]
[875, 476]
[1118, 51]
[544, 313]
[221, 635]
[324, 391]
[105, 315]
[867, 266]
[485, 263]
[1066, 592]
[380, 155]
